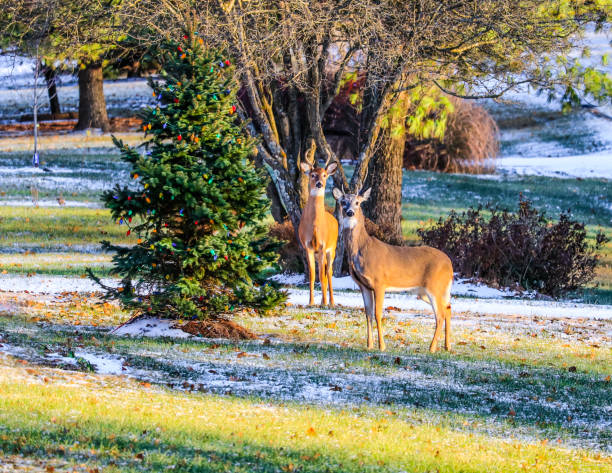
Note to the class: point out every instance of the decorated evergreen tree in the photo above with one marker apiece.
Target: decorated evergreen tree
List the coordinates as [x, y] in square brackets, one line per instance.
[195, 201]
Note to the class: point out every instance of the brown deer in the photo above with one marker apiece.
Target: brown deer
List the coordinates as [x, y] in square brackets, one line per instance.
[318, 230]
[377, 267]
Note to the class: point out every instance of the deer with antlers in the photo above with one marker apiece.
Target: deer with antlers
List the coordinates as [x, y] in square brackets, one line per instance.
[318, 230]
[377, 267]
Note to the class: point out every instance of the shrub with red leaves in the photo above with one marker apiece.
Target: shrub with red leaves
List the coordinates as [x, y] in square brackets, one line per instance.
[522, 249]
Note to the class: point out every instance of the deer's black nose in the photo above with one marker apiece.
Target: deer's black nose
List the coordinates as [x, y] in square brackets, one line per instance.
[350, 213]
[319, 185]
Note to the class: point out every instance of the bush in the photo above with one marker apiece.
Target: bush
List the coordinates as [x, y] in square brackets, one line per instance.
[469, 145]
[522, 249]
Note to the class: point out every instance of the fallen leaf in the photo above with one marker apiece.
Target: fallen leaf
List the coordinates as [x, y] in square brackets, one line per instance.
[265, 356]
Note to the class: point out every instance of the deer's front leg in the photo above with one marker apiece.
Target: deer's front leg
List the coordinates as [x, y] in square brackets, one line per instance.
[310, 256]
[379, 298]
[322, 277]
[368, 306]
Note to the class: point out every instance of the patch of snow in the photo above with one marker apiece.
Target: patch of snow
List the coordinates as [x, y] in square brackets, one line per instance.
[104, 364]
[150, 327]
[595, 165]
[51, 284]
[289, 279]
[460, 287]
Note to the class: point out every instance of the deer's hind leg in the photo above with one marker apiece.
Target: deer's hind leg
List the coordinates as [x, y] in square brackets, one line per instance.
[438, 309]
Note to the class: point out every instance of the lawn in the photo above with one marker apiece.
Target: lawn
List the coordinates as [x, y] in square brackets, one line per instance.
[515, 395]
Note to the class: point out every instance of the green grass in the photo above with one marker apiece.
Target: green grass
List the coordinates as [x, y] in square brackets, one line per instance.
[57, 228]
[386, 421]
[507, 376]
[55, 264]
[120, 426]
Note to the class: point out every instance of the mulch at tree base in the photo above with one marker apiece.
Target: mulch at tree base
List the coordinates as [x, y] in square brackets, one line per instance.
[218, 328]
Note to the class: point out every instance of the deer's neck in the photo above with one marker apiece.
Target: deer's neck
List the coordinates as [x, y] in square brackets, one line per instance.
[355, 234]
[316, 202]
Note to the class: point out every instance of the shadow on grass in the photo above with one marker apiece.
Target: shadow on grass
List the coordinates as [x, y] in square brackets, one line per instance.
[547, 401]
[129, 448]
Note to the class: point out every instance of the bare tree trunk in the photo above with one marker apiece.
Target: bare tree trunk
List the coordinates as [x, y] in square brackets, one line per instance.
[92, 105]
[51, 78]
[384, 207]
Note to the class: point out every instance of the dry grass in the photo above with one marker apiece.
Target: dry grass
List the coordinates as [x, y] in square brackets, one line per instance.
[68, 140]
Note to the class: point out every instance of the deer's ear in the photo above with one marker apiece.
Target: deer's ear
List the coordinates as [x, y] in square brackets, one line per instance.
[331, 169]
[337, 193]
[365, 195]
[305, 167]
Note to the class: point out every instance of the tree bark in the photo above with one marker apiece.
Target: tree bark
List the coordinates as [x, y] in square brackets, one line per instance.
[384, 207]
[51, 78]
[92, 105]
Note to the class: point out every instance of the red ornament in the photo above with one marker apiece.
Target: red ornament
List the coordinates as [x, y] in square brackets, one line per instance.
[179, 137]
[186, 37]
[176, 100]
[180, 50]
[227, 62]
[196, 222]
[233, 108]
[226, 258]
[129, 198]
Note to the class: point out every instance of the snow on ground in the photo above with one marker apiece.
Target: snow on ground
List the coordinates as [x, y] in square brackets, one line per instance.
[488, 301]
[589, 165]
[103, 364]
[50, 284]
[150, 327]
[403, 301]
[460, 287]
